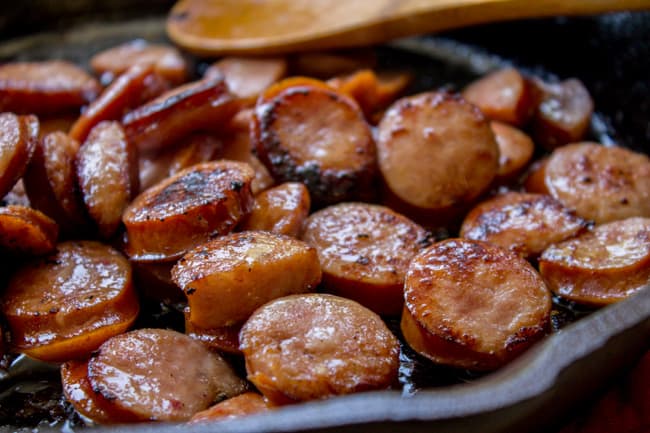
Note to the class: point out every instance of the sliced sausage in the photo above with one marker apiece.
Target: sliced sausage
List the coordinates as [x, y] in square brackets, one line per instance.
[282, 209]
[26, 231]
[314, 346]
[535, 177]
[45, 87]
[312, 134]
[61, 122]
[601, 267]
[227, 278]
[154, 281]
[503, 95]
[515, 151]
[562, 114]
[187, 209]
[51, 182]
[222, 339]
[65, 305]
[237, 147]
[90, 404]
[247, 77]
[18, 136]
[174, 114]
[601, 183]
[17, 196]
[107, 172]
[524, 223]
[364, 251]
[326, 65]
[473, 305]
[236, 407]
[170, 377]
[166, 60]
[436, 151]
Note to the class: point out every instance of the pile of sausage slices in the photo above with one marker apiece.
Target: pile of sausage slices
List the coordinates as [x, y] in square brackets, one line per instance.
[289, 215]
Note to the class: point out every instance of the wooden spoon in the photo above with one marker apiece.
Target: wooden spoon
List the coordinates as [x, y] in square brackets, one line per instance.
[216, 27]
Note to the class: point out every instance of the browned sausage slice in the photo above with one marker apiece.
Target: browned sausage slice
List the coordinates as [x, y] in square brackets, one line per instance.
[310, 133]
[226, 279]
[535, 181]
[45, 87]
[248, 77]
[604, 266]
[563, 113]
[314, 346]
[503, 95]
[222, 339]
[51, 182]
[18, 135]
[161, 375]
[524, 223]
[107, 172]
[515, 150]
[282, 209]
[174, 114]
[187, 209]
[364, 251]
[601, 183]
[436, 151]
[154, 281]
[237, 147]
[65, 305]
[236, 407]
[473, 305]
[26, 231]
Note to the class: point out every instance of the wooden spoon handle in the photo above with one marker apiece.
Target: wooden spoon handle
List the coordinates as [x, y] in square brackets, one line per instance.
[215, 27]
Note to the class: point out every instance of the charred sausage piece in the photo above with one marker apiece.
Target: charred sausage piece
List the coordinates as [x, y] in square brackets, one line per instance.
[166, 60]
[107, 172]
[187, 209]
[51, 182]
[315, 135]
[282, 209]
[503, 95]
[123, 93]
[90, 404]
[436, 151]
[65, 305]
[222, 339]
[364, 251]
[170, 377]
[315, 346]
[515, 151]
[236, 407]
[601, 267]
[26, 231]
[473, 305]
[174, 114]
[226, 279]
[524, 223]
[45, 87]
[562, 114]
[18, 136]
[248, 77]
[601, 183]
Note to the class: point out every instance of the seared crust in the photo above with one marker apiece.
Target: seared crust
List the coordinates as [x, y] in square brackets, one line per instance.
[603, 266]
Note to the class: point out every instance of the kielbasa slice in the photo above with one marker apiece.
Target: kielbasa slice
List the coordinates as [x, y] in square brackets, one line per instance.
[222, 339]
[436, 151]
[51, 182]
[364, 251]
[237, 147]
[185, 210]
[45, 87]
[315, 346]
[107, 172]
[170, 377]
[154, 281]
[282, 209]
[473, 305]
[227, 278]
[515, 151]
[247, 403]
[63, 306]
[195, 106]
[26, 231]
[524, 223]
[601, 183]
[18, 136]
[309, 133]
[247, 77]
[601, 267]
[503, 95]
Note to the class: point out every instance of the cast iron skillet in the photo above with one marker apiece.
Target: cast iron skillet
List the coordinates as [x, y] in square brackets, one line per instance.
[609, 53]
